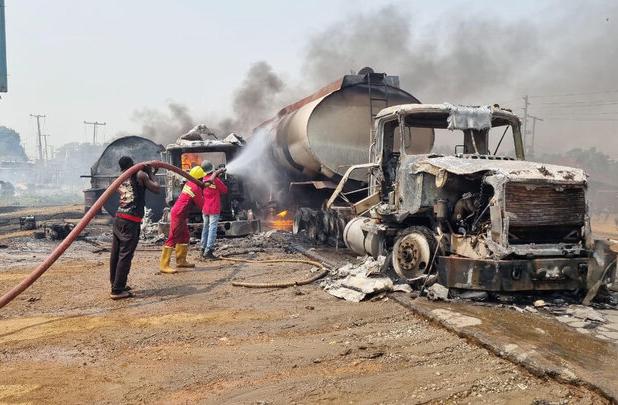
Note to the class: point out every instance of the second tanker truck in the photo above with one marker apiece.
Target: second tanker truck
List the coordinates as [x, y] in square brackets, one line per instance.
[357, 161]
[315, 140]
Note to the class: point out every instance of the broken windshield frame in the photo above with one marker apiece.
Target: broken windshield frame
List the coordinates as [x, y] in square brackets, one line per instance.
[474, 141]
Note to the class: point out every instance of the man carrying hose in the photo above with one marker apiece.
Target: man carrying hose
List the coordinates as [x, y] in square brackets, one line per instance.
[212, 208]
[179, 226]
[127, 225]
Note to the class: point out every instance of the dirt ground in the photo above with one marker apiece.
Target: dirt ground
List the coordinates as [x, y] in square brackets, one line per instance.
[193, 337]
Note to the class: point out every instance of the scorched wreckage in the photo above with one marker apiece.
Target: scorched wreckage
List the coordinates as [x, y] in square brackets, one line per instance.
[480, 216]
[484, 220]
[364, 162]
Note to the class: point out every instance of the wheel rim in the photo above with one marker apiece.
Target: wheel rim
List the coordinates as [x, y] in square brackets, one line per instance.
[411, 255]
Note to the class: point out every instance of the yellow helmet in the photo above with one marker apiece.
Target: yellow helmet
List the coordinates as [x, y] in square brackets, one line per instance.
[197, 172]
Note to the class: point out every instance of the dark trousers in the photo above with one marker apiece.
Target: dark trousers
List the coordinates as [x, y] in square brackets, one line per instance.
[124, 242]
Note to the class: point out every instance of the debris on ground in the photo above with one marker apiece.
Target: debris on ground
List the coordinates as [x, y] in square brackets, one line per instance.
[538, 303]
[471, 295]
[58, 231]
[268, 241]
[356, 282]
[585, 313]
[27, 223]
[437, 292]
[150, 230]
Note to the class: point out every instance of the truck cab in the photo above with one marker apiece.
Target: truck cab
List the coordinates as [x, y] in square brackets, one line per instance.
[470, 209]
[235, 219]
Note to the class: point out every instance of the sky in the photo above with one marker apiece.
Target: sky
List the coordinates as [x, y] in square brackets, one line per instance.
[86, 60]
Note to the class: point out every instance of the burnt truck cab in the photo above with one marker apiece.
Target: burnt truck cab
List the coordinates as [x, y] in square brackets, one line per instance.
[236, 218]
[480, 219]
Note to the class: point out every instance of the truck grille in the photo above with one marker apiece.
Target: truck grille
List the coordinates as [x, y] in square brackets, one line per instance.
[544, 213]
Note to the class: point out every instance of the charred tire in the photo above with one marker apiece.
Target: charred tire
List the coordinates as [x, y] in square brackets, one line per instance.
[413, 252]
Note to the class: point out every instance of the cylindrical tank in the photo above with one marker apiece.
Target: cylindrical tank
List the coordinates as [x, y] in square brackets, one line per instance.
[329, 131]
[105, 170]
[360, 241]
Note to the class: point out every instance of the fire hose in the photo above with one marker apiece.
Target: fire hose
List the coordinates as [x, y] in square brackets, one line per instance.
[92, 212]
[283, 284]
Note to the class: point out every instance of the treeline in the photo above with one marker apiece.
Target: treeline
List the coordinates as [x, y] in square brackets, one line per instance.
[10, 146]
[599, 166]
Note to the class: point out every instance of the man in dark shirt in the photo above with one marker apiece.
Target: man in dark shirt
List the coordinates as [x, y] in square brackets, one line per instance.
[127, 225]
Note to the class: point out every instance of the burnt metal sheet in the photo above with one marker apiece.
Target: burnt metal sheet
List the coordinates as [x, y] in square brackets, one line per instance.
[514, 170]
[547, 274]
[444, 108]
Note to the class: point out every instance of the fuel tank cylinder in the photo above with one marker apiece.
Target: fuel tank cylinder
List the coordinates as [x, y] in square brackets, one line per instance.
[325, 133]
[359, 240]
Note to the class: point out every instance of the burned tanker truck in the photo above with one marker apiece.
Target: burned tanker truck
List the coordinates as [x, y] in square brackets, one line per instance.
[486, 220]
[436, 188]
[315, 140]
[190, 150]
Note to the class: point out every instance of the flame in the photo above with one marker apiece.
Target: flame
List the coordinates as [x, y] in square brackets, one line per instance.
[280, 221]
[189, 160]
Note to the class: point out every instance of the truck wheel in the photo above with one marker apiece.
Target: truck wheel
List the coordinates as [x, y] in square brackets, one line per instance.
[413, 252]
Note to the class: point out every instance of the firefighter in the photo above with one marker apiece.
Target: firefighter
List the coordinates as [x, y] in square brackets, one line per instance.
[179, 225]
[212, 208]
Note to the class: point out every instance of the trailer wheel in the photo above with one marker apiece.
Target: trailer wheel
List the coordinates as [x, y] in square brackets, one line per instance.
[413, 252]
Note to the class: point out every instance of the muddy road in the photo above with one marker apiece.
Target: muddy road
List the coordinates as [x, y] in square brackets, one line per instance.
[194, 338]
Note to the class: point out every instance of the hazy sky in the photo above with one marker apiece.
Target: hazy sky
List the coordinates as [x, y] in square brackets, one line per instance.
[77, 60]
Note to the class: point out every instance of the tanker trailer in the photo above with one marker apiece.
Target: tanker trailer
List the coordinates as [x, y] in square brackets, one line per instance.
[314, 141]
[105, 170]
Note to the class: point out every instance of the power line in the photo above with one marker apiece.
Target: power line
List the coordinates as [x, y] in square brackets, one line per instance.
[587, 114]
[570, 118]
[94, 124]
[578, 103]
[575, 94]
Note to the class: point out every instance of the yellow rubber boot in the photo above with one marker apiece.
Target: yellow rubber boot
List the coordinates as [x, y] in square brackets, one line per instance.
[164, 264]
[182, 249]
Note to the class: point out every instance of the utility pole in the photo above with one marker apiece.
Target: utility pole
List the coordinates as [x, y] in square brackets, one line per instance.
[45, 146]
[39, 136]
[526, 104]
[534, 120]
[94, 124]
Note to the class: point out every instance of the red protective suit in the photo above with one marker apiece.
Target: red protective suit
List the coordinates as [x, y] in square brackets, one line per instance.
[179, 225]
[212, 196]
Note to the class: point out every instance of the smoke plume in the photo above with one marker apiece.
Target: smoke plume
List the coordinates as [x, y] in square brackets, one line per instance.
[254, 100]
[164, 127]
[471, 55]
[474, 56]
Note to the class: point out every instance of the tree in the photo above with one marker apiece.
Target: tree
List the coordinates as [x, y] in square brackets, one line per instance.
[10, 146]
